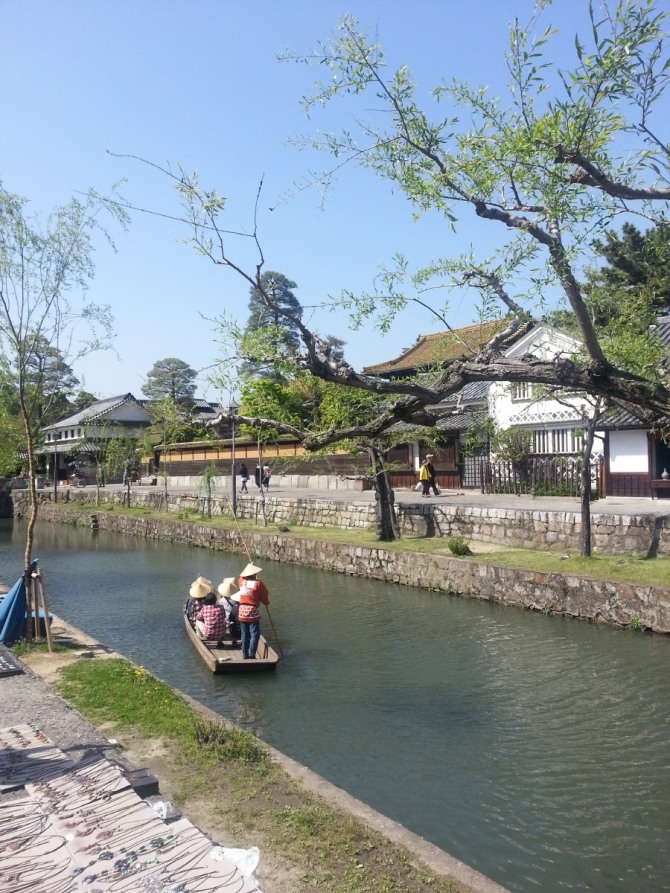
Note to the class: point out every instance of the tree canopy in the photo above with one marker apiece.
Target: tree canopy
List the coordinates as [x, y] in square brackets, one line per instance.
[44, 321]
[171, 378]
[270, 332]
[568, 153]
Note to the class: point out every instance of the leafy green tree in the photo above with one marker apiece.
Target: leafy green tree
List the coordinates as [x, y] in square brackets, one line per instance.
[168, 425]
[121, 456]
[51, 379]
[266, 398]
[171, 378]
[84, 399]
[637, 263]
[548, 166]
[44, 272]
[11, 441]
[626, 295]
[552, 165]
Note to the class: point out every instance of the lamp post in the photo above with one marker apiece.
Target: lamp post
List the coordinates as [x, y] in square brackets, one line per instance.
[56, 439]
[232, 409]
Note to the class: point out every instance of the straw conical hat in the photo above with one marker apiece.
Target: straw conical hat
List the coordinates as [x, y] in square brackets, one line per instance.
[200, 588]
[250, 570]
[228, 588]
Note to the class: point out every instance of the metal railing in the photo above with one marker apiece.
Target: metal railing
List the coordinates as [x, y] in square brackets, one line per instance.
[539, 476]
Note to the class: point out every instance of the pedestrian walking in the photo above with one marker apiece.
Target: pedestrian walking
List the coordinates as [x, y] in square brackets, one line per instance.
[431, 475]
[244, 478]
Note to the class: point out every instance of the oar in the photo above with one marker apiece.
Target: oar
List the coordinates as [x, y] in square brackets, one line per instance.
[281, 653]
[267, 607]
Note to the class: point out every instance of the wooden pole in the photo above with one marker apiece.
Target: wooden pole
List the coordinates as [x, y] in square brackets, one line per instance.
[246, 549]
[35, 608]
[27, 582]
[43, 598]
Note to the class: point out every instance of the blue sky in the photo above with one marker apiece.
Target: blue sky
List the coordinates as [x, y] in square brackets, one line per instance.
[197, 83]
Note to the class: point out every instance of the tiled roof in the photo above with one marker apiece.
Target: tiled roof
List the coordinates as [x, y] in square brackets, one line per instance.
[440, 347]
[460, 420]
[94, 411]
[200, 410]
[472, 392]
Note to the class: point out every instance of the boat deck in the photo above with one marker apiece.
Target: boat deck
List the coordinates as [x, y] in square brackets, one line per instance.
[225, 656]
[231, 651]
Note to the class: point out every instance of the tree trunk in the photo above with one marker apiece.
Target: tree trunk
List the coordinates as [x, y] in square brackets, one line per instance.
[386, 523]
[585, 483]
[260, 465]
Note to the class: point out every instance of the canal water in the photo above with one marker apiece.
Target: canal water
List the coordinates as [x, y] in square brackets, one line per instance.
[533, 748]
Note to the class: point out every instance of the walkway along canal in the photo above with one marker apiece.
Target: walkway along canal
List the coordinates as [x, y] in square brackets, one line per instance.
[532, 748]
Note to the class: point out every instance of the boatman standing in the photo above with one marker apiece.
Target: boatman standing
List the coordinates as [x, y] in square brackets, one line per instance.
[252, 594]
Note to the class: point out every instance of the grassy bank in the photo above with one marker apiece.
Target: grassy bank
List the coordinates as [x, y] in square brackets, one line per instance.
[226, 782]
[624, 568]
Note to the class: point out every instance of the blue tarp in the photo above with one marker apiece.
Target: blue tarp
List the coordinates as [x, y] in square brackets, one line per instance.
[13, 611]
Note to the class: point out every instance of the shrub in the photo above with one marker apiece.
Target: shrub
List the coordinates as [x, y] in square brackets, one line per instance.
[458, 546]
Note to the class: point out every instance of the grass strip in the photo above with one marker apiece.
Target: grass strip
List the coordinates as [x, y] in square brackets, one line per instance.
[621, 567]
[250, 797]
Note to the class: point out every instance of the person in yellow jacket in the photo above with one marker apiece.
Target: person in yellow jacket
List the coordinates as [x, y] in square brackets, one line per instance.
[424, 477]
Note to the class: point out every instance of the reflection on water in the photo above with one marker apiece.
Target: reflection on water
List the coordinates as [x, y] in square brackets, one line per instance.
[532, 748]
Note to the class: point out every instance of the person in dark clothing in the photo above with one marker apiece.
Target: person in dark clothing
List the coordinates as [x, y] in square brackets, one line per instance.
[199, 589]
[244, 477]
[257, 477]
[227, 590]
[431, 475]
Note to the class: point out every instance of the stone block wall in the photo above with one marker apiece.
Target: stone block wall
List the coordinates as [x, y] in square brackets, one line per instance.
[643, 535]
[586, 598]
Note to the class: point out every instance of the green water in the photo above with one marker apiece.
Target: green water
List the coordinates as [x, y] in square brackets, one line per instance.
[533, 748]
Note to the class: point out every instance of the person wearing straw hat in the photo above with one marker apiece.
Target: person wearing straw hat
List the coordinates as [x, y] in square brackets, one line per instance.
[230, 604]
[210, 621]
[252, 594]
[200, 587]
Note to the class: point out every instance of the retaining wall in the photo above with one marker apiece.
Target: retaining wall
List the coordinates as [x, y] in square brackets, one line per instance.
[643, 535]
[623, 604]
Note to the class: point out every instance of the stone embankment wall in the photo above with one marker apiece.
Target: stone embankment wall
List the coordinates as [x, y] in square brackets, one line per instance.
[618, 603]
[644, 535]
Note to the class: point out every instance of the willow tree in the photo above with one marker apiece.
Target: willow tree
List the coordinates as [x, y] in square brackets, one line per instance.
[551, 165]
[45, 270]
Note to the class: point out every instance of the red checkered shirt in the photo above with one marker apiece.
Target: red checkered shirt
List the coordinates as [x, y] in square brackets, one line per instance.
[214, 619]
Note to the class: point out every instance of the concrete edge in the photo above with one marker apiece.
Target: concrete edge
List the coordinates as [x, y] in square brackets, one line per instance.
[419, 848]
[428, 854]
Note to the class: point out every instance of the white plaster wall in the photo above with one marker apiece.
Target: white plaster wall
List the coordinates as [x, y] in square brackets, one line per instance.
[129, 412]
[628, 452]
[545, 343]
[535, 413]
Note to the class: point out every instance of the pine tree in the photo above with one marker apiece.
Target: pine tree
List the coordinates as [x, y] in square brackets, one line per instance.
[282, 337]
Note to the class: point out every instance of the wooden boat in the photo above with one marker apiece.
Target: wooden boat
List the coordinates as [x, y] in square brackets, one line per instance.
[224, 657]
